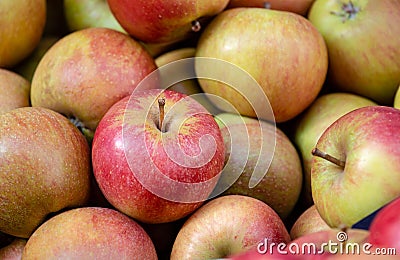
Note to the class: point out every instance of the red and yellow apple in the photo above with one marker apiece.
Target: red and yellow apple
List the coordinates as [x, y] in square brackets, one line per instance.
[14, 91]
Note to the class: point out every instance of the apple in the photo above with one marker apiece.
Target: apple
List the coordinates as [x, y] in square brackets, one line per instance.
[45, 168]
[14, 91]
[396, 102]
[27, 67]
[361, 37]
[84, 73]
[355, 169]
[157, 155]
[384, 228]
[90, 233]
[22, 25]
[296, 6]
[258, 149]
[226, 226]
[13, 250]
[282, 51]
[309, 221]
[82, 14]
[164, 21]
[312, 123]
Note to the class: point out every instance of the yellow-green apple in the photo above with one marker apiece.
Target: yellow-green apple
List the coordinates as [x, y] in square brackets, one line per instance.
[188, 87]
[228, 225]
[82, 14]
[14, 91]
[258, 149]
[157, 155]
[296, 6]
[313, 122]
[396, 102]
[84, 73]
[385, 227]
[27, 67]
[164, 21]
[22, 25]
[355, 166]
[14, 250]
[363, 47]
[90, 233]
[45, 167]
[282, 51]
[309, 221]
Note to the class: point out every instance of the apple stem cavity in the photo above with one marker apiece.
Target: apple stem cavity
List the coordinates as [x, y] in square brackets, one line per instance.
[161, 105]
[196, 26]
[348, 12]
[319, 153]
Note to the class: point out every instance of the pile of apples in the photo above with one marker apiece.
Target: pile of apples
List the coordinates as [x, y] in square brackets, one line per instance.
[198, 129]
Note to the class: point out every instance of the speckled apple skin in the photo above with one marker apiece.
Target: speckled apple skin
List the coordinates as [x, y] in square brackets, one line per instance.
[14, 91]
[90, 233]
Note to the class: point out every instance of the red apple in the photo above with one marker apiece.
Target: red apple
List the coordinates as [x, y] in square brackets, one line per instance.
[226, 226]
[14, 250]
[86, 72]
[14, 91]
[90, 233]
[155, 175]
[22, 25]
[163, 21]
[45, 167]
[296, 6]
[282, 51]
[385, 227]
[309, 221]
[363, 45]
[359, 171]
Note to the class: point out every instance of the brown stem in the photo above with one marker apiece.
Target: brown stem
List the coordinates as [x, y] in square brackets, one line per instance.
[161, 104]
[319, 153]
[196, 26]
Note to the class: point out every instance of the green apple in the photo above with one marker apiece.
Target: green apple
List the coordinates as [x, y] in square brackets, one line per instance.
[14, 91]
[396, 102]
[22, 25]
[90, 233]
[258, 149]
[356, 165]
[81, 14]
[363, 45]
[282, 51]
[312, 123]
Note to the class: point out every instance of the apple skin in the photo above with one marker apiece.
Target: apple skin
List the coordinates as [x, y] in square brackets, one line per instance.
[367, 140]
[396, 102]
[296, 65]
[84, 14]
[117, 167]
[163, 21]
[22, 27]
[83, 74]
[224, 227]
[296, 6]
[309, 221]
[14, 250]
[364, 50]
[45, 168]
[313, 122]
[384, 229]
[281, 185]
[90, 233]
[14, 91]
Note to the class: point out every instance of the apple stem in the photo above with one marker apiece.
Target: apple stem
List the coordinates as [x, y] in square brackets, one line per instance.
[319, 153]
[349, 11]
[161, 105]
[196, 26]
